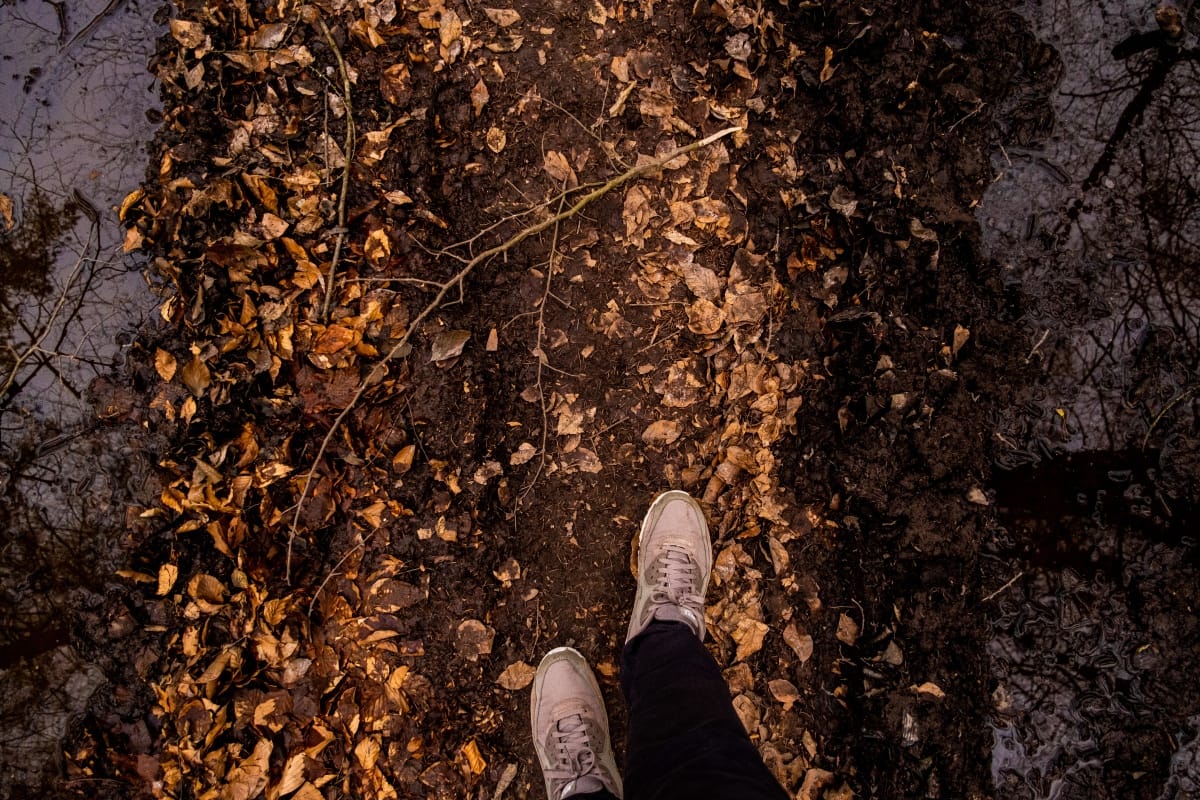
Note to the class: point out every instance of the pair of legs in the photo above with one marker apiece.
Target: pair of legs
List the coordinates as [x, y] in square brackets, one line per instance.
[685, 740]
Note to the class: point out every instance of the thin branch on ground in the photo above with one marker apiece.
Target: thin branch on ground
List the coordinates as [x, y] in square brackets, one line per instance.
[541, 355]
[401, 347]
[348, 153]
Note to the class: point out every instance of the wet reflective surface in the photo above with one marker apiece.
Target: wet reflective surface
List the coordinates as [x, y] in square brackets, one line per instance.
[76, 96]
[1096, 219]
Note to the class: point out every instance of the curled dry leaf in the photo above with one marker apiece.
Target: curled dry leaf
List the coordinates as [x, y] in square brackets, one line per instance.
[516, 676]
[247, 780]
[662, 432]
[749, 635]
[929, 689]
[479, 97]
[187, 33]
[523, 453]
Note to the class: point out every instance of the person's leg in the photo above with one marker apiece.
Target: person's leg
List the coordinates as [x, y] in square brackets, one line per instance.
[685, 740]
[570, 730]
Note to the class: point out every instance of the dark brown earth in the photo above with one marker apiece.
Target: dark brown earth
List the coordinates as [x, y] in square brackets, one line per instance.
[837, 419]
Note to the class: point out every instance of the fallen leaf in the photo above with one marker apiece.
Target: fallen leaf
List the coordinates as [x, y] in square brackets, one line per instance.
[828, 69]
[516, 676]
[662, 432]
[929, 689]
[273, 227]
[187, 33]
[473, 639]
[395, 84]
[784, 691]
[847, 629]
[523, 453]
[196, 376]
[398, 198]
[496, 139]
[749, 635]
[249, 778]
[704, 317]
[475, 762]
[557, 167]
[378, 247]
[167, 575]
[448, 344]
[502, 16]
[164, 364]
[801, 643]
[479, 97]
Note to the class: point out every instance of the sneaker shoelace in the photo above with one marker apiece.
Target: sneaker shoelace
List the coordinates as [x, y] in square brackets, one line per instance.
[576, 753]
[677, 580]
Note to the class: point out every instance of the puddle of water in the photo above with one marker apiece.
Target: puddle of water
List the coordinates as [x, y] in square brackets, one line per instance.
[1097, 227]
[78, 102]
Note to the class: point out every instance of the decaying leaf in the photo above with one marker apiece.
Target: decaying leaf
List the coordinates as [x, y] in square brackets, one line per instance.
[749, 635]
[196, 375]
[395, 84]
[516, 676]
[784, 691]
[496, 139]
[6, 212]
[479, 97]
[473, 639]
[474, 759]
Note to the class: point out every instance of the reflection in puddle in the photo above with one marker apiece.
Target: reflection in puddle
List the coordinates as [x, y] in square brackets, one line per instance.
[1097, 225]
[75, 93]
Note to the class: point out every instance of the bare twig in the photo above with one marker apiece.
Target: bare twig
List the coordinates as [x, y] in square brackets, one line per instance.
[377, 372]
[348, 152]
[1007, 584]
[541, 355]
[1179, 398]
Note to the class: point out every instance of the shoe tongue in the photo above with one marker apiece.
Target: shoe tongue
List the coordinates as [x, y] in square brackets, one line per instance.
[581, 786]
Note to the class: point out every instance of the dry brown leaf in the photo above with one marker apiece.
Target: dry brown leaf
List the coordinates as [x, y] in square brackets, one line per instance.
[448, 344]
[473, 639]
[398, 198]
[273, 227]
[704, 317]
[749, 635]
[292, 777]
[196, 376]
[450, 28]
[164, 364]
[801, 643]
[662, 432]
[847, 629]
[929, 689]
[828, 69]
[496, 139]
[247, 780]
[378, 247]
[516, 676]
[784, 691]
[502, 16]
[395, 84]
[557, 167]
[523, 453]
[187, 33]
[367, 752]
[475, 762]
[701, 281]
[479, 97]
[403, 460]
[167, 575]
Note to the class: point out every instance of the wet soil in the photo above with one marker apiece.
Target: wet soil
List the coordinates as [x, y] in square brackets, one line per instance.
[957, 560]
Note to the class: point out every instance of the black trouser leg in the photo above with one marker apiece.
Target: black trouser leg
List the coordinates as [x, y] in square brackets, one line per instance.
[685, 740]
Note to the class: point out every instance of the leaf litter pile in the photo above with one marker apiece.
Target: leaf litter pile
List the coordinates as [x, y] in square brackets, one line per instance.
[449, 292]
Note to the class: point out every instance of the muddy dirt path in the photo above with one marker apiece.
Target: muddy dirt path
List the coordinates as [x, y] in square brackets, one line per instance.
[378, 511]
